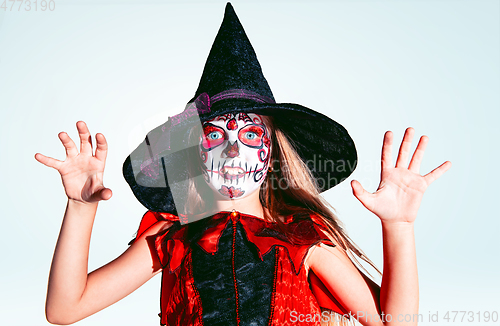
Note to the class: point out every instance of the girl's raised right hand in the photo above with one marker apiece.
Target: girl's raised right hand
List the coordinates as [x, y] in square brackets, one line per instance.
[81, 173]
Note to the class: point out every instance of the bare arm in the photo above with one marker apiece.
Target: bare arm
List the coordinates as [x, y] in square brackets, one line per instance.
[72, 293]
[68, 272]
[399, 290]
[396, 203]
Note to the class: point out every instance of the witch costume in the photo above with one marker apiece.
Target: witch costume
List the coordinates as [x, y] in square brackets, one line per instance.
[231, 268]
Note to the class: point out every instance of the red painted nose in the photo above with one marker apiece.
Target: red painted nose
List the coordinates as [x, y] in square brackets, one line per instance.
[232, 150]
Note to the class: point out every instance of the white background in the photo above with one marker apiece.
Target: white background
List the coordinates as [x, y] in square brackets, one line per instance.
[124, 67]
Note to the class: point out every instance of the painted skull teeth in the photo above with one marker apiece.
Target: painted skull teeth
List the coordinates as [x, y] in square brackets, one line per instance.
[232, 172]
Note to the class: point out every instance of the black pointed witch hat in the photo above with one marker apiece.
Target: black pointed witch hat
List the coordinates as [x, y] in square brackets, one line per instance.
[232, 81]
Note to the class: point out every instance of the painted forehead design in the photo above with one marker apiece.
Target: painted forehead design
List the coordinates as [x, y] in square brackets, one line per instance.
[231, 119]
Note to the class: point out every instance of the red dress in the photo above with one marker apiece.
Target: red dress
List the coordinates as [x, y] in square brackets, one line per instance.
[237, 269]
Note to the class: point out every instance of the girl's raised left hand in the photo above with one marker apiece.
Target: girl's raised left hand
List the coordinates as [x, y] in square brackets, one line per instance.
[401, 187]
[81, 172]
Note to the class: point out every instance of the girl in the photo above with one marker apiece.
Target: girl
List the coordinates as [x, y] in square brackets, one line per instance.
[236, 222]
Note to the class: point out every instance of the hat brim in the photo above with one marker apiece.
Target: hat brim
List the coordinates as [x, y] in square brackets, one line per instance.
[324, 146]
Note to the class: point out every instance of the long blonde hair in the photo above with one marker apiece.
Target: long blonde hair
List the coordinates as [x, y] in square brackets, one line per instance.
[301, 194]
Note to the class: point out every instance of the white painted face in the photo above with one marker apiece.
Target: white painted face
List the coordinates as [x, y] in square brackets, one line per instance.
[235, 151]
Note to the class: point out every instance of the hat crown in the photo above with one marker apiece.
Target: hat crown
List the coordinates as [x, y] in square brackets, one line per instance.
[232, 81]
[232, 62]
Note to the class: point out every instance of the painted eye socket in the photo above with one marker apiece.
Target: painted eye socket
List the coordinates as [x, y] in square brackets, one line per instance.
[251, 135]
[213, 137]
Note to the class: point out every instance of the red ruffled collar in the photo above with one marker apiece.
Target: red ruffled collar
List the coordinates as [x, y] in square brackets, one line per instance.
[172, 247]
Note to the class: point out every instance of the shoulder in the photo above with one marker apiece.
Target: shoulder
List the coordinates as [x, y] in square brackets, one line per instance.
[325, 244]
[327, 250]
[143, 248]
[327, 254]
[153, 223]
[306, 233]
[339, 274]
[314, 228]
[156, 229]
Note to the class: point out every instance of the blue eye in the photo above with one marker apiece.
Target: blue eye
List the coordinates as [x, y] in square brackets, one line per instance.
[214, 135]
[250, 135]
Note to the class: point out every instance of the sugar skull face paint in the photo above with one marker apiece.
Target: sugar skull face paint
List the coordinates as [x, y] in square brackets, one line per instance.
[235, 151]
